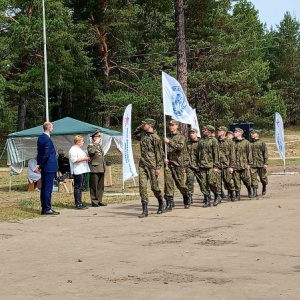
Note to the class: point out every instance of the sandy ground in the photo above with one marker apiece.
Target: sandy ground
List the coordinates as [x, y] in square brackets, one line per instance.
[243, 250]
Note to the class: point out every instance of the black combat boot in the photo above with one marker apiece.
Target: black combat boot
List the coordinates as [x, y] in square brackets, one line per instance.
[217, 199]
[206, 201]
[238, 195]
[168, 203]
[264, 189]
[250, 194]
[160, 209]
[232, 196]
[254, 192]
[191, 198]
[144, 214]
[186, 201]
[223, 196]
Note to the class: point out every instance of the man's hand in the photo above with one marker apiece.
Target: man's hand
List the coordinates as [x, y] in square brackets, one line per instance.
[166, 140]
[157, 172]
[37, 169]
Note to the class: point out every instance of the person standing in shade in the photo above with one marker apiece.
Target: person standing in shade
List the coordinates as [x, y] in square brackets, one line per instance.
[176, 163]
[260, 162]
[150, 163]
[46, 165]
[192, 146]
[243, 162]
[79, 167]
[97, 167]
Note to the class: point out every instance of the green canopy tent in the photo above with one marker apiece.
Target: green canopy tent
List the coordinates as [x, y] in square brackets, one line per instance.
[22, 145]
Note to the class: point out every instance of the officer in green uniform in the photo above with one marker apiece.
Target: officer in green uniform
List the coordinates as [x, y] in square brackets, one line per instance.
[97, 167]
[208, 164]
[243, 162]
[150, 163]
[192, 146]
[260, 162]
[176, 161]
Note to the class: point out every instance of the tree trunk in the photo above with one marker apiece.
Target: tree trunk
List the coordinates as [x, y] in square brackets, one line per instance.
[21, 113]
[181, 51]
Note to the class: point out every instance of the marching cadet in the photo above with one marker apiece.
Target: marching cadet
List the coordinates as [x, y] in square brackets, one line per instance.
[243, 162]
[227, 159]
[176, 162]
[208, 164]
[192, 146]
[260, 162]
[150, 163]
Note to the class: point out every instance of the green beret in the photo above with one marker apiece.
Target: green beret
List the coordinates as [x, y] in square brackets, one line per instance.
[149, 121]
[209, 127]
[239, 130]
[97, 132]
[223, 128]
[254, 130]
[229, 132]
[174, 122]
[193, 130]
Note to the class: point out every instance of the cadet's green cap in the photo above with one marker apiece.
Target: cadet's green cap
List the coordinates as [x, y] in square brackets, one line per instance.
[239, 129]
[254, 130]
[223, 128]
[193, 130]
[229, 132]
[209, 127]
[149, 121]
[96, 133]
[174, 122]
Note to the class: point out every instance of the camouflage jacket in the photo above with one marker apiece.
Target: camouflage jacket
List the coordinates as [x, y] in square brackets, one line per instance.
[243, 154]
[151, 149]
[192, 147]
[227, 154]
[208, 153]
[259, 153]
[176, 150]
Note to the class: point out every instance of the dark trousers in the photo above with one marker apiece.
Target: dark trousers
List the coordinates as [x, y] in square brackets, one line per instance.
[96, 187]
[79, 185]
[46, 190]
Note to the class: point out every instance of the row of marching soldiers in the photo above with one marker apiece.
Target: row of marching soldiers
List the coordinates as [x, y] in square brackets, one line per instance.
[218, 163]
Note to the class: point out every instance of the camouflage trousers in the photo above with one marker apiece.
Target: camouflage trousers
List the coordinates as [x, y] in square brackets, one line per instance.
[175, 175]
[240, 176]
[209, 181]
[262, 174]
[227, 180]
[146, 174]
[190, 180]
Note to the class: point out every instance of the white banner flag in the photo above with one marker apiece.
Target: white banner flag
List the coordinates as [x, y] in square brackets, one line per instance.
[175, 101]
[194, 122]
[129, 170]
[279, 135]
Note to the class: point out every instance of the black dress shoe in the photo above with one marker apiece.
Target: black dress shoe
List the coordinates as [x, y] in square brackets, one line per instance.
[102, 204]
[81, 206]
[50, 212]
[95, 205]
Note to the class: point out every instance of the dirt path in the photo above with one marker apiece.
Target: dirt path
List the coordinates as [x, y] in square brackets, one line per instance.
[243, 250]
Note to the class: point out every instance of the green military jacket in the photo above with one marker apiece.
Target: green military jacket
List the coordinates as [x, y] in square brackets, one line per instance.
[96, 154]
[243, 154]
[176, 150]
[192, 147]
[259, 153]
[151, 149]
[226, 153]
[208, 153]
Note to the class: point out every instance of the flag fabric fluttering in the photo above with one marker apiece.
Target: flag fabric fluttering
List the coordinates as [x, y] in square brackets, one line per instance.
[129, 170]
[175, 101]
[279, 135]
[194, 122]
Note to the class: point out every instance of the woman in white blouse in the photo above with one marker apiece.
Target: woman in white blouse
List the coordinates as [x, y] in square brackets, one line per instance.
[79, 167]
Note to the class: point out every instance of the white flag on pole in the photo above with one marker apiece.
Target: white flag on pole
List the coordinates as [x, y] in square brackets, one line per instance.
[194, 122]
[175, 101]
[129, 170]
[279, 135]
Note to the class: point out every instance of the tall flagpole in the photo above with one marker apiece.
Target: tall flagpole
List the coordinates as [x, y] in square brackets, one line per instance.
[45, 62]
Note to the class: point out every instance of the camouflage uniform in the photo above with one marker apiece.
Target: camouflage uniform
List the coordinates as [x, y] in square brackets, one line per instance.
[178, 161]
[151, 160]
[227, 159]
[207, 160]
[243, 158]
[192, 147]
[260, 158]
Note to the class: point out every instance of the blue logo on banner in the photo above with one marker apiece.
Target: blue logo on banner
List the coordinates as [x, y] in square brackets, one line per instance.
[179, 101]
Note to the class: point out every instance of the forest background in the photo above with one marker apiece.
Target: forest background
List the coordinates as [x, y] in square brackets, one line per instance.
[106, 54]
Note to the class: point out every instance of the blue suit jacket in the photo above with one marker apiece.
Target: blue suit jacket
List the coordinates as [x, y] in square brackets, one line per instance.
[46, 157]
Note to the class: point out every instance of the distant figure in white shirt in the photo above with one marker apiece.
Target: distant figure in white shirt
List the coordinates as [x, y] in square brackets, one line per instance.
[34, 177]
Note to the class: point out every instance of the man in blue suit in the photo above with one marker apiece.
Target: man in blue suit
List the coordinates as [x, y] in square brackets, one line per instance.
[47, 165]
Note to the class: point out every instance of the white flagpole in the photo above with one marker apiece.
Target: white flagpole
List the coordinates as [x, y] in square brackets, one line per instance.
[45, 62]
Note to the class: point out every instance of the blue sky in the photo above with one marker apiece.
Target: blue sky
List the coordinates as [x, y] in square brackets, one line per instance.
[272, 11]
